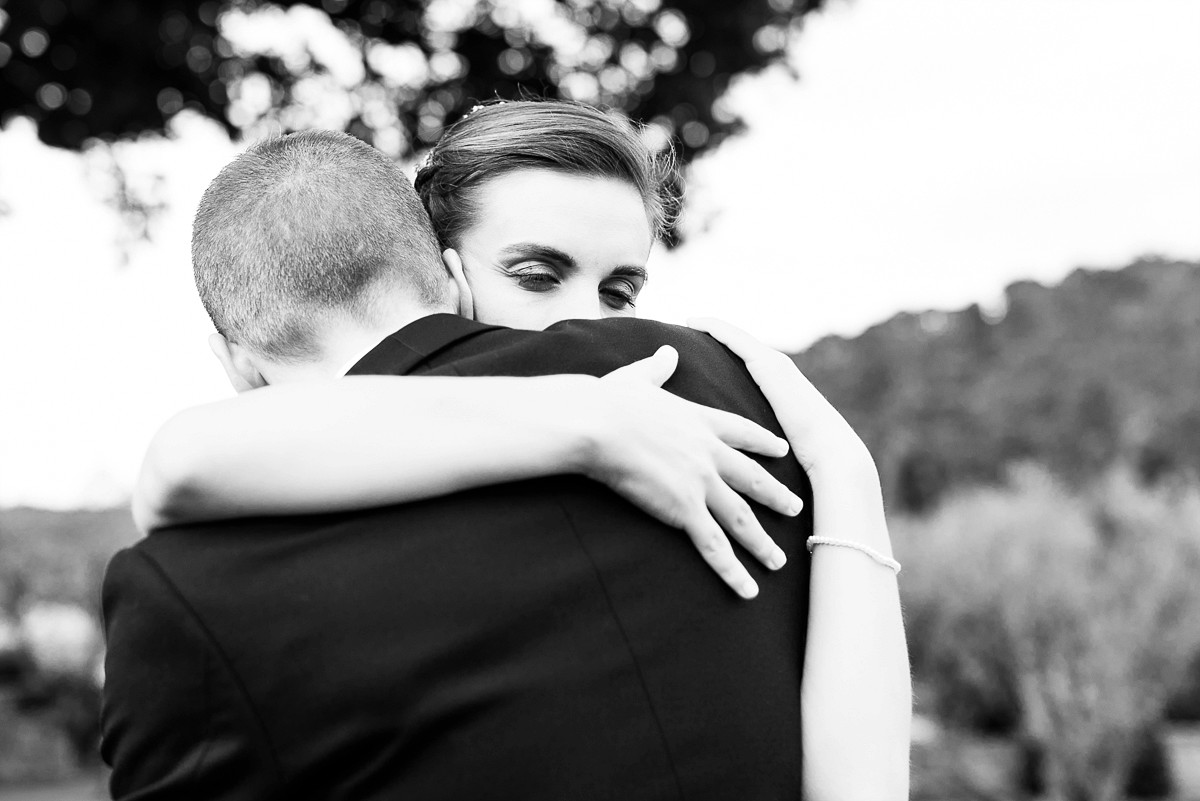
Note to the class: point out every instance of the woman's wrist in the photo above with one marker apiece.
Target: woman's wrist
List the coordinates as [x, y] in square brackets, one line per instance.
[845, 467]
[848, 500]
[586, 414]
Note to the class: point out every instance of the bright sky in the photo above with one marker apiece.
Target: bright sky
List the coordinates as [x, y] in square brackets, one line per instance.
[932, 152]
[935, 151]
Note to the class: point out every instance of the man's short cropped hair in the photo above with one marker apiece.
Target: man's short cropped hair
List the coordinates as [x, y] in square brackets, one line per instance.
[303, 226]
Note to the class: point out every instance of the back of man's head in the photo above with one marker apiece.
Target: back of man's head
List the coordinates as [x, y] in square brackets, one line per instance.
[306, 227]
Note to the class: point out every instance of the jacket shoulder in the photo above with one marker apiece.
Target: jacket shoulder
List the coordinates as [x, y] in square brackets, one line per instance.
[170, 698]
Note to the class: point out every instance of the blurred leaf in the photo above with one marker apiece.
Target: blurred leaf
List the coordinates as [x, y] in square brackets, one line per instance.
[85, 68]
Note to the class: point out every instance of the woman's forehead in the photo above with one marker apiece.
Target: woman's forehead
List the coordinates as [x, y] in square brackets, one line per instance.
[590, 218]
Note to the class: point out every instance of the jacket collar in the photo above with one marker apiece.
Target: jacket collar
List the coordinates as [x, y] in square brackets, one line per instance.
[406, 350]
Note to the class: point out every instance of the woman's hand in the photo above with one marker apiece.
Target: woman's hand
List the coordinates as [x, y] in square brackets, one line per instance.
[838, 464]
[821, 439]
[681, 463]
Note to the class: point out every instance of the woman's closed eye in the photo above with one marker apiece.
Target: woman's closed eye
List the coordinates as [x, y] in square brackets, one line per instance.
[620, 293]
[617, 290]
[536, 278]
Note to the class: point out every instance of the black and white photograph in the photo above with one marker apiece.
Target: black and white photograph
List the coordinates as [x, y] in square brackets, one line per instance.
[727, 400]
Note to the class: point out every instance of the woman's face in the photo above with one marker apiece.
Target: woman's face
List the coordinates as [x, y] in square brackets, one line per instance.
[550, 246]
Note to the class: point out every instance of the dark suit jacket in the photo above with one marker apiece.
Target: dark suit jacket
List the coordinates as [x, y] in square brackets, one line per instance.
[535, 640]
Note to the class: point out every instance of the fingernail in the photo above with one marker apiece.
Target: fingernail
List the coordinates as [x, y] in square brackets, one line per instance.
[796, 506]
[777, 559]
[749, 589]
[781, 446]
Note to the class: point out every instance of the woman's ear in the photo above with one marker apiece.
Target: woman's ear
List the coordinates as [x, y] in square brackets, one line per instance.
[454, 265]
[239, 368]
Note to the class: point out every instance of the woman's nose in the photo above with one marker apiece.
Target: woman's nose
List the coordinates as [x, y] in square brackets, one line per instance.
[582, 305]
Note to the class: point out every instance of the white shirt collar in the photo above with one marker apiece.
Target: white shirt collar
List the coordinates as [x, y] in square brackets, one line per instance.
[349, 365]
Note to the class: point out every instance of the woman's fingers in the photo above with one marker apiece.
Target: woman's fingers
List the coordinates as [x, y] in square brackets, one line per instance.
[812, 425]
[732, 337]
[682, 506]
[654, 369]
[751, 479]
[774, 372]
[738, 432]
[736, 517]
[767, 365]
[689, 467]
[708, 537]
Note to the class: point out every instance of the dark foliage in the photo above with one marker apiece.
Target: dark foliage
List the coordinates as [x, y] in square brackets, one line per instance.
[1185, 704]
[87, 68]
[57, 556]
[1105, 366]
[976, 688]
[1150, 776]
[70, 704]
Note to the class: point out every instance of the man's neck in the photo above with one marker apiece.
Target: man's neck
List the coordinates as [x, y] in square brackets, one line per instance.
[343, 344]
[345, 350]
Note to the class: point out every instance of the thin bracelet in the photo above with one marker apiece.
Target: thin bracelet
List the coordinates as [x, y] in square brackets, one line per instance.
[887, 562]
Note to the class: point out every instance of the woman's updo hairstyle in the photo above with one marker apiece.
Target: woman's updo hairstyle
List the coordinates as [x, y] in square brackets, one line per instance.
[505, 136]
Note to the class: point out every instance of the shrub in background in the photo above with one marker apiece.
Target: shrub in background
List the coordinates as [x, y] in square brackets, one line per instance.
[1184, 705]
[1072, 612]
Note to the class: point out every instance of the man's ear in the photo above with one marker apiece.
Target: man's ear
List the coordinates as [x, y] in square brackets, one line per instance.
[239, 369]
[454, 265]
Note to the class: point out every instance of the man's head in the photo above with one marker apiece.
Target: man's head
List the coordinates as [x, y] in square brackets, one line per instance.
[305, 236]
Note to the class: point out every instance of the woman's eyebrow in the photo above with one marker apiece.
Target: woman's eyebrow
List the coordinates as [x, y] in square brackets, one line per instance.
[525, 250]
[631, 271]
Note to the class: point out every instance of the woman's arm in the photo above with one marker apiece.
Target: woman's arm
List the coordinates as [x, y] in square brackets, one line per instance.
[366, 441]
[856, 689]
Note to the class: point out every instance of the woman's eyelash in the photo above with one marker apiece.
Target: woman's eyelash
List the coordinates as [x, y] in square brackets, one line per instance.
[624, 291]
[536, 279]
[618, 293]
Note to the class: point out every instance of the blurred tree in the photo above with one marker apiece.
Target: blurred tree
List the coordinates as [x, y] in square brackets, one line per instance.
[67, 702]
[399, 69]
[58, 556]
[1104, 367]
[920, 481]
[1078, 606]
[1185, 704]
[1151, 775]
[55, 557]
